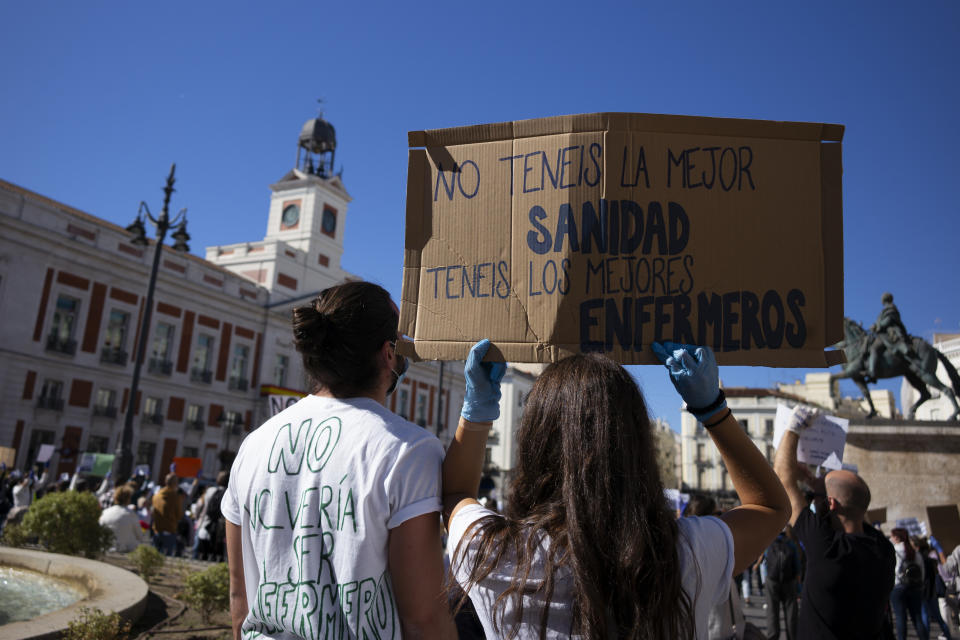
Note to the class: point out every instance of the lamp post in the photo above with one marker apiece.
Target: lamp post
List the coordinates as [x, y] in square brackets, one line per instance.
[123, 461]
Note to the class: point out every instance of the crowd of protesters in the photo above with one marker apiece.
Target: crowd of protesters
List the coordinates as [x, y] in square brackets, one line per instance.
[587, 545]
[181, 517]
[922, 584]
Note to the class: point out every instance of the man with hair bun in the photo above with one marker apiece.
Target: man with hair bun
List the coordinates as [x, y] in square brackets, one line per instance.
[850, 565]
[332, 508]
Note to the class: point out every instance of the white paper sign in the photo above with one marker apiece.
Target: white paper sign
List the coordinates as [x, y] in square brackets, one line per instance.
[278, 403]
[86, 463]
[142, 470]
[825, 436]
[913, 526]
[673, 498]
[832, 462]
[45, 453]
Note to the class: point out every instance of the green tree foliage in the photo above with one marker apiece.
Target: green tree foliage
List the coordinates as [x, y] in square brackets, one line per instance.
[147, 561]
[94, 624]
[67, 522]
[14, 536]
[208, 591]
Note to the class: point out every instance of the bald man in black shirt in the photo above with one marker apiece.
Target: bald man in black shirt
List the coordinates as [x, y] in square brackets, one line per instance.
[850, 565]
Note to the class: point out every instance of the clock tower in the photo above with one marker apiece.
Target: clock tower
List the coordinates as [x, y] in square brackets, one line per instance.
[301, 251]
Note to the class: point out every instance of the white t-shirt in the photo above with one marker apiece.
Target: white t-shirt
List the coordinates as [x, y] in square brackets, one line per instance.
[710, 545]
[201, 517]
[900, 549]
[315, 491]
[125, 525]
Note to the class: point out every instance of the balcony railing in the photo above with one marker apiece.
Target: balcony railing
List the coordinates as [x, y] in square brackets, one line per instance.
[160, 366]
[238, 384]
[156, 418]
[106, 412]
[201, 375]
[60, 345]
[54, 404]
[196, 425]
[236, 429]
[112, 355]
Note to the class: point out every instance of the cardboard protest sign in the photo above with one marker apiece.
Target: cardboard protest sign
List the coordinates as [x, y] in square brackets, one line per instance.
[876, 515]
[187, 467]
[8, 456]
[821, 443]
[605, 232]
[945, 525]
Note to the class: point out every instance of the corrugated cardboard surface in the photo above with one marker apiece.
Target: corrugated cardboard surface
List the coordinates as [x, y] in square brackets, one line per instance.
[604, 232]
[945, 525]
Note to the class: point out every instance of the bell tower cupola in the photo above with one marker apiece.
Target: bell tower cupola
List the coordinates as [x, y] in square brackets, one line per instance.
[302, 248]
[317, 147]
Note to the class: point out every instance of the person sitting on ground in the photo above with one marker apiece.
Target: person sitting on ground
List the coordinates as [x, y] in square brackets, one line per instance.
[123, 521]
[589, 546]
[167, 511]
[850, 565]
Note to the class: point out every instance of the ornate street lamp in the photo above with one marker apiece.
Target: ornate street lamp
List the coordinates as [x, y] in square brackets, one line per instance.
[123, 461]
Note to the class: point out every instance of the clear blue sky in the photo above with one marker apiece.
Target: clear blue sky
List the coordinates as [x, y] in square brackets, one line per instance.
[98, 98]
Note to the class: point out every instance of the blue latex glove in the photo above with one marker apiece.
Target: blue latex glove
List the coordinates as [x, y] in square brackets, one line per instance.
[481, 403]
[936, 545]
[693, 372]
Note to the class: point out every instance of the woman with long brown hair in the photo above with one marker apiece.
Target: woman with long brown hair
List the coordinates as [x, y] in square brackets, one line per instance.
[588, 545]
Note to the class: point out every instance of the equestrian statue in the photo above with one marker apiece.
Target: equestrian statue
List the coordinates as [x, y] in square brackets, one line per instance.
[888, 351]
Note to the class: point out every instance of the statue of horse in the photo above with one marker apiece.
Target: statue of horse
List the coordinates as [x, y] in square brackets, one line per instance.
[920, 372]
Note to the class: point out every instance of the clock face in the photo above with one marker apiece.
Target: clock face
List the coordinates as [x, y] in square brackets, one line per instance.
[291, 215]
[329, 222]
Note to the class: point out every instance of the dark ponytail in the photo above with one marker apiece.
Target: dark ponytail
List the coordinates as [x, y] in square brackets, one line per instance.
[340, 333]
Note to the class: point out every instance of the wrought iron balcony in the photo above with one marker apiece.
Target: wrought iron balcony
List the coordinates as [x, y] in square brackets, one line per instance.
[60, 345]
[156, 418]
[160, 366]
[238, 384]
[106, 412]
[54, 404]
[201, 375]
[112, 355]
[197, 425]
